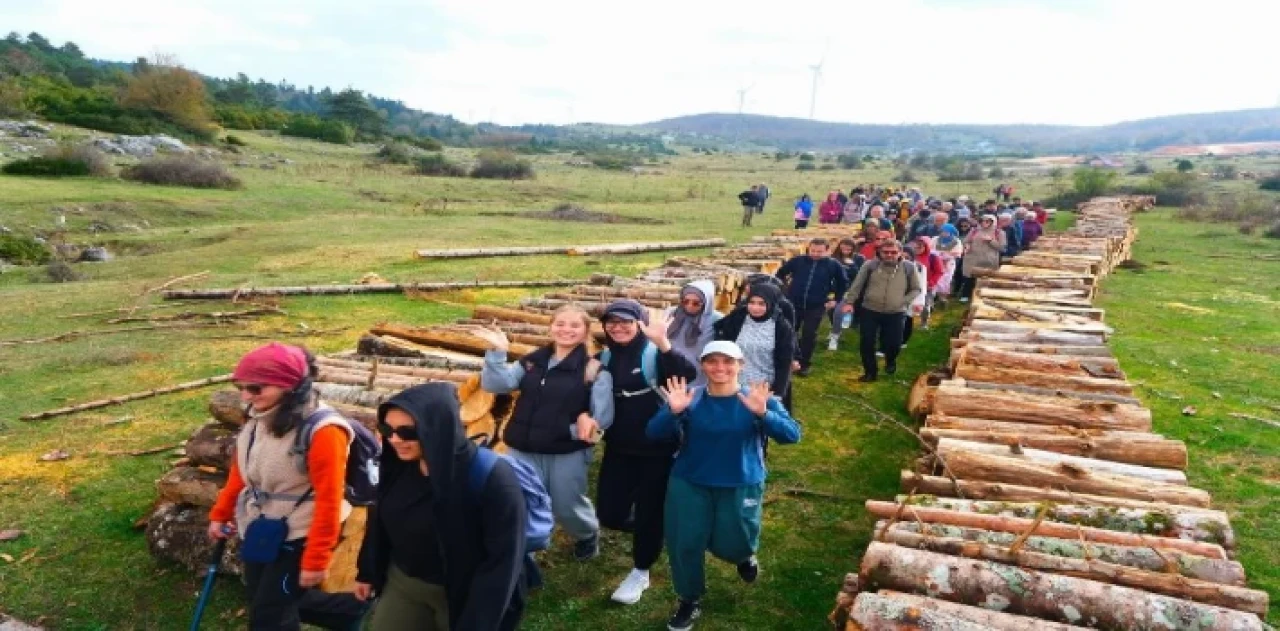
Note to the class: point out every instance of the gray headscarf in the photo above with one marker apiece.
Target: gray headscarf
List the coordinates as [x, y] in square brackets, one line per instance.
[690, 333]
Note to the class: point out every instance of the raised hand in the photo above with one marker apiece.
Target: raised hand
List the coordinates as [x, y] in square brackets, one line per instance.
[656, 329]
[677, 394]
[757, 398]
[496, 339]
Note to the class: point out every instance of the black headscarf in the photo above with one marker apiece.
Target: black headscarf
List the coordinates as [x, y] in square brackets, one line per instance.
[771, 296]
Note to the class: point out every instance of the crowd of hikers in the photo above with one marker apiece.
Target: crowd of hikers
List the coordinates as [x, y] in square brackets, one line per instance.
[685, 401]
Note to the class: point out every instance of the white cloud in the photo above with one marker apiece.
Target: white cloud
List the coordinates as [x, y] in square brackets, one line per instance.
[978, 61]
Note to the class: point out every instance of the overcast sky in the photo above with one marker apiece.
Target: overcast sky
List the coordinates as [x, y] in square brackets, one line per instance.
[887, 61]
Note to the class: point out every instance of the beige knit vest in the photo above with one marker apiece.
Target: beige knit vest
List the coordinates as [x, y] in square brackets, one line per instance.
[274, 472]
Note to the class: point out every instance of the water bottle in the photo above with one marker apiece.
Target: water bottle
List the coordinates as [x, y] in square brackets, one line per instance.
[846, 321]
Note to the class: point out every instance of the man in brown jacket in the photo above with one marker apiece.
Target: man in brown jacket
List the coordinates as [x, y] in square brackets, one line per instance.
[881, 292]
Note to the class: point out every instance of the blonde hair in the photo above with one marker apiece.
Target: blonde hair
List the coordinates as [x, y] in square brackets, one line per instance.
[574, 309]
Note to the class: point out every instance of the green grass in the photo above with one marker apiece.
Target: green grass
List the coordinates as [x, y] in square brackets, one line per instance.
[331, 218]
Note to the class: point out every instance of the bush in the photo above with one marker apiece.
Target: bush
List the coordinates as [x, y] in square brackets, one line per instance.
[502, 165]
[41, 166]
[614, 161]
[424, 143]
[1141, 168]
[806, 166]
[182, 171]
[1225, 172]
[316, 128]
[437, 164]
[827, 167]
[1173, 189]
[1089, 183]
[806, 157]
[395, 153]
[1273, 231]
[996, 172]
[235, 141]
[1184, 165]
[849, 161]
[1270, 183]
[907, 176]
[961, 172]
[61, 272]
[23, 250]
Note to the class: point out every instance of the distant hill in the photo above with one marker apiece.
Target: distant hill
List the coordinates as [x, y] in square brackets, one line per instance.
[1145, 134]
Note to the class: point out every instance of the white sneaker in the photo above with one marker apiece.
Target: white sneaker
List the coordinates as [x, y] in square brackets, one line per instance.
[964, 300]
[879, 354]
[833, 343]
[632, 587]
[904, 346]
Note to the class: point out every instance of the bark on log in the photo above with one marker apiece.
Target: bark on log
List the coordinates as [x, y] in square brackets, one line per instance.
[1068, 297]
[189, 485]
[948, 446]
[386, 382]
[396, 349]
[343, 290]
[973, 466]
[1076, 352]
[226, 406]
[1001, 406]
[211, 445]
[1053, 393]
[1098, 330]
[354, 395]
[1129, 447]
[1207, 526]
[389, 369]
[342, 569]
[1175, 585]
[1043, 595]
[127, 398]
[176, 533]
[488, 313]
[365, 416]
[1036, 336]
[1019, 525]
[982, 355]
[973, 371]
[572, 250]
[1222, 571]
[453, 339]
[873, 612]
[978, 489]
[989, 619]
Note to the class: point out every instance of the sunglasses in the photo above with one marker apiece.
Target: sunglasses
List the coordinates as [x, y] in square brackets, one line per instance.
[404, 432]
[254, 389]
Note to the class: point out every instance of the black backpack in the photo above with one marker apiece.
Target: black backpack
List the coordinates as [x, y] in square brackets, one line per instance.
[362, 457]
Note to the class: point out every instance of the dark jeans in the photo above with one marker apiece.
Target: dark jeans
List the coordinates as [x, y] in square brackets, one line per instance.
[807, 323]
[802, 223]
[967, 284]
[629, 482]
[276, 601]
[760, 209]
[908, 325]
[887, 327]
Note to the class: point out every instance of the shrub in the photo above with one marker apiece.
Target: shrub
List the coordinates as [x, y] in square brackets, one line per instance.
[849, 161]
[806, 166]
[61, 272]
[907, 176]
[424, 143]
[437, 164]
[1270, 183]
[1225, 172]
[1273, 231]
[1089, 183]
[1141, 168]
[996, 172]
[182, 171]
[614, 161]
[1184, 165]
[41, 166]
[827, 167]
[395, 153]
[316, 128]
[235, 141]
[23, 250]
[806, 157]
[1173, 189]
[961, 172]
[502, 165]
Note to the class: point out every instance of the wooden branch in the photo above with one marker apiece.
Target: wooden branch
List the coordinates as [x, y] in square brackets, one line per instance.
[572, 250]
[72, 335]
[345, 290]
[199, 315]
[102, 403]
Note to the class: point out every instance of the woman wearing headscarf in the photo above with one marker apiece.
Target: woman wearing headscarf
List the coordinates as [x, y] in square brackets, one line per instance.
[692, 320]
[632, 488]
[439, 556]
[831, 209]
[982, 250]
[565, 404]
[766, 337]
[715, 496]
[288, 505]
[950, 250]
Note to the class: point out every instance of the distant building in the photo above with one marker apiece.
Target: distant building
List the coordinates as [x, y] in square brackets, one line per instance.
[1103, 162]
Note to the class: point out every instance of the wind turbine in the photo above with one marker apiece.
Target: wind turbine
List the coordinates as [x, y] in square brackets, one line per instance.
[817, 75]
[742, 97]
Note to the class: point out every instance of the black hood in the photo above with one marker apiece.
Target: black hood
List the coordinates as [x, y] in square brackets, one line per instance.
[770, 295]
[445, 447]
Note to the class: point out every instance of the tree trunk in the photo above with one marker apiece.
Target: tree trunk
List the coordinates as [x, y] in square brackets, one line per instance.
[1068, 297]
[1175, 585]
[987, 618]
[873, 612]
[365, 416]
[1080, 353]
[1223, 571]
[982, 355]
[189, 485]
[1000, 406]
[342, 290]
[177, 533]
[449, 338]
[949, 446]
[1035, 336]
[342, 569]
[1097, 329]
[1050, 596]
[572, 250]
[389, 369]
[211, 445]
[489, 313]
[354, 395]
[226, 406]
[1052, 393]
[127, 398]
[1019, 525]
[972, 371]
[976, 466]
[981, 490]
[397, 349]
[1128, 447]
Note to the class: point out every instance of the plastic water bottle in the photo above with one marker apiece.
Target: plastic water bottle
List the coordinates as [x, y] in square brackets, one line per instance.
[846, 321]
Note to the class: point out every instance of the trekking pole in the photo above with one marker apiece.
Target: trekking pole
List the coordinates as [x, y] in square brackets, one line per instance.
[218, 549]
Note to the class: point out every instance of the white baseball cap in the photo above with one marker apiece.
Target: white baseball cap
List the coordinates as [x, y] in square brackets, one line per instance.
[722, 347]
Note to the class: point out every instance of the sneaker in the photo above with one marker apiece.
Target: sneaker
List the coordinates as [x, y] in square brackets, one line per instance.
[879, 354]
[889, 369]
[803, 372]
[632, 587]
[833, 343]
[964, 300]
[587, 549]
[748, 570]
[904, 346]
[686, 613]
[867, 378]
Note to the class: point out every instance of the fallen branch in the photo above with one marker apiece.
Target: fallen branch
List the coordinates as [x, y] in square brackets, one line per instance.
[90, 314]
[71, 335]
[102, 403]
[343, 290]
[1250, 417]
[145, 452]
[198, 315]
[572, 250]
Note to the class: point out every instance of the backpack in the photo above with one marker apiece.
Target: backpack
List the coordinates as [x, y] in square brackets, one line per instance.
[362, 457]
[538, 518]
[648, 364]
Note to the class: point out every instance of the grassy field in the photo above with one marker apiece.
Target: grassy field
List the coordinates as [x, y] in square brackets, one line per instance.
[331, 217]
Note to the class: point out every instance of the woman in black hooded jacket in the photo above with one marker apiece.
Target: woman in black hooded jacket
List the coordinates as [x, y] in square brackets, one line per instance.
[766, 337]
[440, 556]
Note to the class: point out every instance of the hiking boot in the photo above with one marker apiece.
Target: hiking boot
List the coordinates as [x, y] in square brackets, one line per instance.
[587, 549]
[632, 587]
[867, 378]
[803, 372]
[833, 343]
[748, 570]
[686, 613]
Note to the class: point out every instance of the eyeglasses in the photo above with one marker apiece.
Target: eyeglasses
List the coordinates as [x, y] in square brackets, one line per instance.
[253, 389]
[617, 323]
[404, 432]
[694, 302]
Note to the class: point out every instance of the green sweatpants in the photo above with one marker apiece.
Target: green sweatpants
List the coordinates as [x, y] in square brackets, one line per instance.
[410, 603]
[701, 519]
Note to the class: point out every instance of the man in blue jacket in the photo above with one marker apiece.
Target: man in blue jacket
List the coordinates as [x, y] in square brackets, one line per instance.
[815, 282]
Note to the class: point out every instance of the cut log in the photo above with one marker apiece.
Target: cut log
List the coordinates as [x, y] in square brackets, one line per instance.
[1035, 336]
[987, 618]
[354, 395]
[948, 446]
[226, 406]
[1043, 595]
[975, 466]
[1019, 525]
[476, 402]
[376, 346]
[1054, 393]
[1175, 585]
[1068, 297]
[1100, 331]
[873, 612]
[1208, 526]
[387, 368]
[983, 355]
[177, 533]
[1075, 352]
[1222, 571]
[211, 445]
[1001, 406]
[572, 250]
[488, 312]
[343, 290]
[342, 569]
[1128, 447]
[978, 489]
[189, 485]
[970, 371]
[450, 338]
[365, 416]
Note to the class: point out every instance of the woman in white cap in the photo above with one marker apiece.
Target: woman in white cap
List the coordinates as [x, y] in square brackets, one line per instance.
[714, 497]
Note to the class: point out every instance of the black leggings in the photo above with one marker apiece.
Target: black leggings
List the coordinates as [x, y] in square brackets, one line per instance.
[802, 223]
[634, 483]
[907, 327]
[276, 601]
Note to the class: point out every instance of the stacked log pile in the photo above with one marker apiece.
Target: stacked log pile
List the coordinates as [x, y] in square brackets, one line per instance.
[1045, 500]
